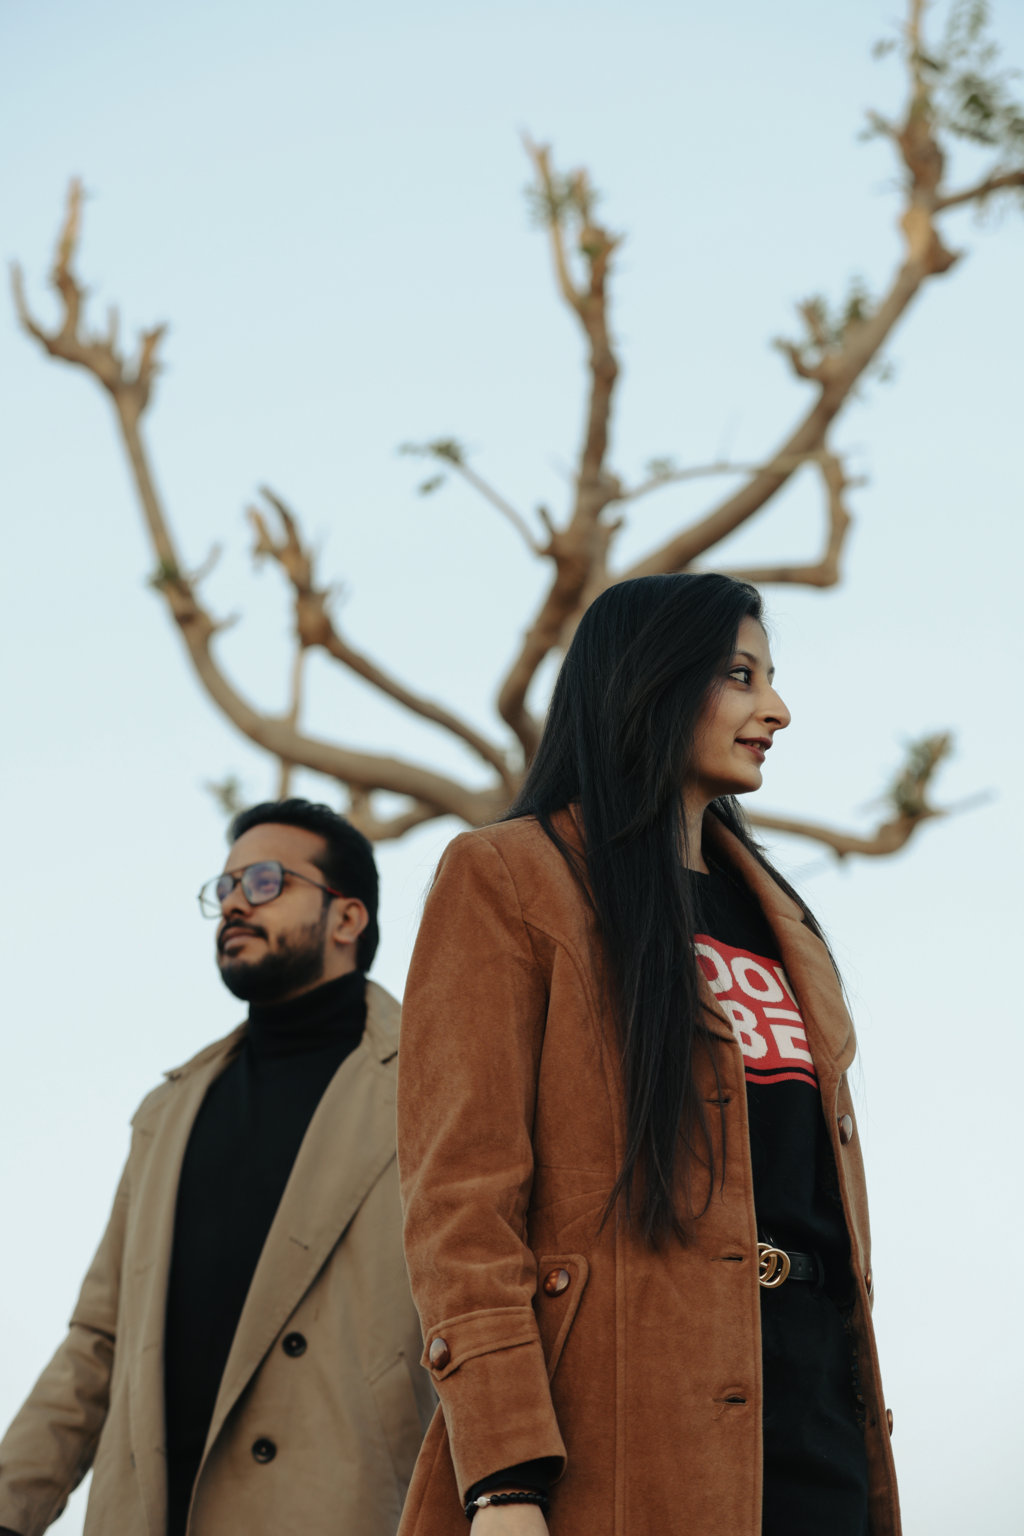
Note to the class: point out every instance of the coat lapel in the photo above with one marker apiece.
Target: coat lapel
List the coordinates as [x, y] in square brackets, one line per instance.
[349, 1143]
[167, 1124]
[818, 991]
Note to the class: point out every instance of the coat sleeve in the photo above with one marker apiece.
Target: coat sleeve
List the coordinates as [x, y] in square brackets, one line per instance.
[51, 1443]
[472, 1030]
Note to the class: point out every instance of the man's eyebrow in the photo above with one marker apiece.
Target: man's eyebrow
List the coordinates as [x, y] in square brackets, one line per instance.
[749, 656]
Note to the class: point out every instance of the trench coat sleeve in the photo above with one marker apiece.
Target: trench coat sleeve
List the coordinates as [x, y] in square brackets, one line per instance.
[50, 1445]
[472, 1030]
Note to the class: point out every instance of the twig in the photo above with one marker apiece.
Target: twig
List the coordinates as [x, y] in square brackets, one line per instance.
[1001, 182]
[507, 510]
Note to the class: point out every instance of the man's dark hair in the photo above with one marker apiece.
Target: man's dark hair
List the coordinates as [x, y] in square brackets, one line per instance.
[347, 862]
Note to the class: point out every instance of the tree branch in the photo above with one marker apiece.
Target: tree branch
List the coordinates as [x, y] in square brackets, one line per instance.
[906, 797]
[832, 356]
[129, 388]
[670, 475]
[507, 510]
[997, 182]
[578, 550]
[825, 572]
[315, 627]
[382, 829]
[292, 716]
[888, 838]
[449, 452]
[841, 364]
[551, 201]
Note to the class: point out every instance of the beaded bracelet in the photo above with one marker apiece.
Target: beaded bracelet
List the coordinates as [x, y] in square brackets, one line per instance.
[516, 1496]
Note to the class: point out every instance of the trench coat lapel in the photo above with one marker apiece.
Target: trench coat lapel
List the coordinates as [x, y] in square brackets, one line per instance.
[168, 1124]
[349, 1143]
[830, 1032]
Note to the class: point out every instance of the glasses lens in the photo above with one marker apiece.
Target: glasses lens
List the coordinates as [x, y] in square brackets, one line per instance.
[213, 893]
[262, 882]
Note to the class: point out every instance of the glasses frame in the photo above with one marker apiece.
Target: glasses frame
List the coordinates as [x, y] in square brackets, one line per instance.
[208, 890]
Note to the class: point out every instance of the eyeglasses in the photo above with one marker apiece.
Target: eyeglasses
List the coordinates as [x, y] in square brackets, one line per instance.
[260, 883]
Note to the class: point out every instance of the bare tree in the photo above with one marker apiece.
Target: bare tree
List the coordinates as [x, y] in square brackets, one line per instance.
[955, 91]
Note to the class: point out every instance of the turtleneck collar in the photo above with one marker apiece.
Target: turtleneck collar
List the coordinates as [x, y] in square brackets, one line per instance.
[328, 1015]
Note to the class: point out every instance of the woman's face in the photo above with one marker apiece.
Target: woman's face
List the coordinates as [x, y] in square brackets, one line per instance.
[738, 723]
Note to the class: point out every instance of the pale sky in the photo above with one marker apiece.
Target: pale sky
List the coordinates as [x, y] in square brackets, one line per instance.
[325, 202]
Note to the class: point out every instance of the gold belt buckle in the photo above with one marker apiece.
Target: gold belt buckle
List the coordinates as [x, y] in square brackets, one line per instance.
[772, 1266]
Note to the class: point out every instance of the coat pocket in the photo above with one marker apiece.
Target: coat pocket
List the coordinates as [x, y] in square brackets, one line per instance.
[561, 1281]
[398, 1410]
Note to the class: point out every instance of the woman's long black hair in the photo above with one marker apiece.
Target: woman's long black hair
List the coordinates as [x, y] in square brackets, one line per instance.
[618, 742]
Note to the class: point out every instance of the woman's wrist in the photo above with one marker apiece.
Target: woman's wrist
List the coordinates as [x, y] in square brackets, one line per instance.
[503, 1498]
[509, 1520]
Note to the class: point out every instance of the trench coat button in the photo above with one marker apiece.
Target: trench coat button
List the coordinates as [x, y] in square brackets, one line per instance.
[294, 1345]
[556, 1282]
[439, 1354]
[845, 1129]
[888, 1419]
[263, 1450]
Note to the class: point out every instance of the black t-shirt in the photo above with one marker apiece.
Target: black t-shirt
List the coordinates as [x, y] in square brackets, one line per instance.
[796, 1193]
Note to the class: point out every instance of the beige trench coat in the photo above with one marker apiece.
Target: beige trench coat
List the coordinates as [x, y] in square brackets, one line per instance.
[639, 1371]
[346, 1416]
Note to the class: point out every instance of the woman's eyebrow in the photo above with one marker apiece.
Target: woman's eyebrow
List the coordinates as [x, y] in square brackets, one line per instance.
[749, 656]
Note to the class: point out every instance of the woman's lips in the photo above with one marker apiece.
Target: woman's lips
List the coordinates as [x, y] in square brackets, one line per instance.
[757, 748]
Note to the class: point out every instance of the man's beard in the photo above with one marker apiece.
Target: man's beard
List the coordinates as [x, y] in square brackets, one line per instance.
[295, 964]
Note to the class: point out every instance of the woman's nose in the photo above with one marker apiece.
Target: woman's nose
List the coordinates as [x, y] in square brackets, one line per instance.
[776, 712]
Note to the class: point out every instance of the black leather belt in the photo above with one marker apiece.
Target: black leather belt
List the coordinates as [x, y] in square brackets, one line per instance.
[775, 1266]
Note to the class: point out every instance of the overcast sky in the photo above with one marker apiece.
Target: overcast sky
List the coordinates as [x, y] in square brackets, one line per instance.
[325, 202]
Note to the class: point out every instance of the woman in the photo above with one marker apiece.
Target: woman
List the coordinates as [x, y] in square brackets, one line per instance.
[635, 1212]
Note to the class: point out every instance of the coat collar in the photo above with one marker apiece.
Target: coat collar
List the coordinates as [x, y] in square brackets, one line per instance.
[349, 1143]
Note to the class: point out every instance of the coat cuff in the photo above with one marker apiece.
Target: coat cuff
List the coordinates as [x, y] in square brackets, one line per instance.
[492, 1380]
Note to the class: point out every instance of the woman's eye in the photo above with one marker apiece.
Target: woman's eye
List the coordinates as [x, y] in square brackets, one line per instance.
[742, 675]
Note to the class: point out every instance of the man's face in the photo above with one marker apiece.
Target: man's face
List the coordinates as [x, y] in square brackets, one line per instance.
[280, 948]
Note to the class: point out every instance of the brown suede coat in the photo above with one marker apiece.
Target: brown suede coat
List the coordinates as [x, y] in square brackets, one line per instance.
[346, 1415]
[643, 1374]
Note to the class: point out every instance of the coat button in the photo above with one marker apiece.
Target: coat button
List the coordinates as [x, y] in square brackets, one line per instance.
[888, 1419]
[263, 1450]
[845, 1129]
[556, 1282]
[293, 1345]
[439, 1354]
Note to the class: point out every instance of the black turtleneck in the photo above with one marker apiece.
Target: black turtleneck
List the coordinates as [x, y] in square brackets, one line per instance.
[240, 1153]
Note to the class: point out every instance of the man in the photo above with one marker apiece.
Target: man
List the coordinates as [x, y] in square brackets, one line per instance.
[243, 1357]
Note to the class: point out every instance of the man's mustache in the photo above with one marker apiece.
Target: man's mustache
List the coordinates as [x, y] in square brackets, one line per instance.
[237, 927]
